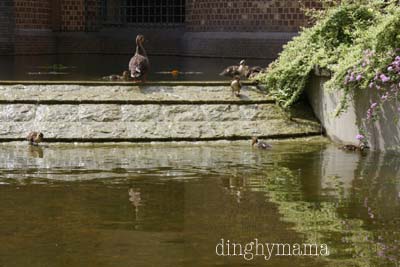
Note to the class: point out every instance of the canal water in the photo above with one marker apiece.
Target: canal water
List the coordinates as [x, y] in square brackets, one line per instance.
[172, 204]
[92, 67]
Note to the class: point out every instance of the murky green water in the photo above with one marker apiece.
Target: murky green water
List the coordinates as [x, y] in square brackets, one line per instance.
[76, 67]
[170, 205]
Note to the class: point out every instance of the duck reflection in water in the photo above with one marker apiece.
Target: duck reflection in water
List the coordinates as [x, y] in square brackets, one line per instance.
[35, 152]
[135, 199]
[234, 186]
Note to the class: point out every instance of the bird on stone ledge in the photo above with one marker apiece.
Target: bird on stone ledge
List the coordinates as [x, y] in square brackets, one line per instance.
[236, 85]
[259, 144]
[234, 70]
[139, 64]
[35, 138]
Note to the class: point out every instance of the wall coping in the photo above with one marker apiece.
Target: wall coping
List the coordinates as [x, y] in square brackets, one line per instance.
[117, 83]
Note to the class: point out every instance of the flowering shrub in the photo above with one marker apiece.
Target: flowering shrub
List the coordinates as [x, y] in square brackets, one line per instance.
[357, 40]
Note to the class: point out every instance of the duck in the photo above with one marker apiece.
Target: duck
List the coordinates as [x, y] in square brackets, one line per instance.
[236, 85]
[234, 70]
[35, 138]
[259, 144]
[139, 64]
[115, 77]
[360, 147]
[253, 71]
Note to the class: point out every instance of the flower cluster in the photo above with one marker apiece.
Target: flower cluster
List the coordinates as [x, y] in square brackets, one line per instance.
[386, 84]
[382, 79]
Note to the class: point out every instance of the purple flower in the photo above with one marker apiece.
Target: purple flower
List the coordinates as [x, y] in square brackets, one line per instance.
[374, 105]
[390, 68]
[352, 78]
[384, 97]
[359, 77]
[360, 137]
[371, 85]
[384, 78]
[369, 113]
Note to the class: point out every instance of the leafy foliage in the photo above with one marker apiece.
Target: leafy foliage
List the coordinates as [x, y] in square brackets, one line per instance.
[355, 39]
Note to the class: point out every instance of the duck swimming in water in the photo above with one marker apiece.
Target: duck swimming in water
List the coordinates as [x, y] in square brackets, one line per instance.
[361, 147]
[236, 85]
[259, 144]
[234, 70]
[35, 138]
[139, 64]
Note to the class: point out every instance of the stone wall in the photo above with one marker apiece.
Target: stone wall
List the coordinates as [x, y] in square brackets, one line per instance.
[382, 135]
[144, 113]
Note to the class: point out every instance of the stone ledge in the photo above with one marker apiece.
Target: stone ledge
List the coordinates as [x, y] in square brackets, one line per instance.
[117, 83]
[118, 130]
[125, 94]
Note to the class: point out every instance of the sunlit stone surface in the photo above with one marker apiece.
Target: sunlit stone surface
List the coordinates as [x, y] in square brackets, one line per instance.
[90, 112]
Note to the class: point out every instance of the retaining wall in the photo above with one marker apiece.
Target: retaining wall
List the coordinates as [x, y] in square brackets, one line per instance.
[93, 112]
[382, 135]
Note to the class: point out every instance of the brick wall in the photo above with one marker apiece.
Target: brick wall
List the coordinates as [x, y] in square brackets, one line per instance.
[245, 15]
[6, 26]
[32, 14]
[72, 15]
[80, 15]
[66, 26]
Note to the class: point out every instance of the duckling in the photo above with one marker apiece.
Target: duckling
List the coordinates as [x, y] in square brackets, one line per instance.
[236, 85]
[139, 64]
[259, 144]
[115, 77]
[35, 138]
[234, 70]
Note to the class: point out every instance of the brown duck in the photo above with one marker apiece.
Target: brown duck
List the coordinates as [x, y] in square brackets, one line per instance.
[259, 144]
[253, 71]
[234, 70]
[139, 64]
[361, 147]
[35, 138]
[236, 85]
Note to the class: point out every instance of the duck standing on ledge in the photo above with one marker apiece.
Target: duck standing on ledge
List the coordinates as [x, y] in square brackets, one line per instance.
[259, 144]
[254, 71]
[139, 64]
[236, 85]
[234, 70]
[35, 138]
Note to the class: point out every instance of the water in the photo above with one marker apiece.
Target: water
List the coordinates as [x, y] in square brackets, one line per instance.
[170, 204]
[94, 67]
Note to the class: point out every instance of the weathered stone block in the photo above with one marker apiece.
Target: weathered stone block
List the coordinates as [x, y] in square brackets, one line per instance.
[17, 112]
[99, 113]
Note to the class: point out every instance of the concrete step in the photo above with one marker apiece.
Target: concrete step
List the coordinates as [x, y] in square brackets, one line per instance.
[100, 112]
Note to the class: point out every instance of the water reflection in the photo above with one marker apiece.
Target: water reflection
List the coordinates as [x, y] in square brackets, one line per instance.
[169, 205]
[75, 67]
